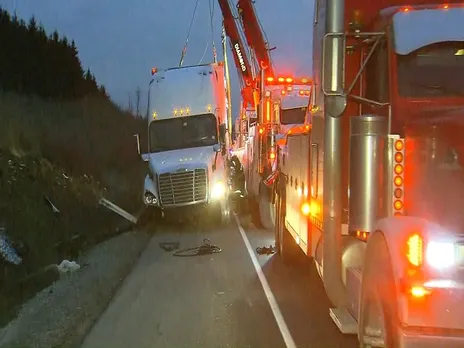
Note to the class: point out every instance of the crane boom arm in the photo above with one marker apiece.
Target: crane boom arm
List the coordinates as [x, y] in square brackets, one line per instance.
[239, 51]
[254, 35]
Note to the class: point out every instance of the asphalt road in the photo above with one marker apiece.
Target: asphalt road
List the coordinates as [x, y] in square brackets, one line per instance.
[217, 300]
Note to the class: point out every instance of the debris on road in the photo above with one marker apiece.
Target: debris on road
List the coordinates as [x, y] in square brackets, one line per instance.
[7, 251]
[61, 314]
[169, 246]
[55, 209]
[121, 212]
[266, 250]
[205, 249]
[68, 266]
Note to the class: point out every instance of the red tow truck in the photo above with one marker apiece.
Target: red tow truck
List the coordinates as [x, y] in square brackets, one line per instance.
[373, 189]
[272, 105]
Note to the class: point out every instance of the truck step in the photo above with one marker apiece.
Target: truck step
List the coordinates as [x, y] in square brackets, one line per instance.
[344, 320]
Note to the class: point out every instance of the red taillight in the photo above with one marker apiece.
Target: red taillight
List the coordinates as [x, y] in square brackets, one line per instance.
[289, 80]
[270, 79]
[281, 79]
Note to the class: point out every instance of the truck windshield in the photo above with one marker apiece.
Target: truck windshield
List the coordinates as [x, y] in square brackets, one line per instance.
[293, 115]
[432, 71]
[183, 132]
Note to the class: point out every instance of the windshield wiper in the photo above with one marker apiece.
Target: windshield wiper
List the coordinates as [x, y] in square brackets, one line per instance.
[202, 141]
[159, 149]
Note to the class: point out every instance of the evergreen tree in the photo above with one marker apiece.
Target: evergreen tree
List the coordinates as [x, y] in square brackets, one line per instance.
[47, 66]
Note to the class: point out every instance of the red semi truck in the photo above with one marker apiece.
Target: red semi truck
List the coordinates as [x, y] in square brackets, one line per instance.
[373, 191]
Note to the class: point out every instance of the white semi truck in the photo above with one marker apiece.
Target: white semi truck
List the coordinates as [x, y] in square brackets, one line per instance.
[187, 142]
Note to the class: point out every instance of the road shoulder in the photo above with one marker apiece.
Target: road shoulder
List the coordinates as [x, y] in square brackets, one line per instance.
[61, 315]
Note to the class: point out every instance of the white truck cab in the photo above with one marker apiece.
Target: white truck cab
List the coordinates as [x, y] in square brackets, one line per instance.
[187, 142]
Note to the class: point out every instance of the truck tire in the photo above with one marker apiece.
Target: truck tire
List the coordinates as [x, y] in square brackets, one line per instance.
[285, 245]
[226, 217]
[150, 216]
[253, 206]
[378, 321]
[217, 217]
[277, 225]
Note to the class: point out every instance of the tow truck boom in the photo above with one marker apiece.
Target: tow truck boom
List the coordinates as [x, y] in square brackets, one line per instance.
[239, 52]
[254, 35]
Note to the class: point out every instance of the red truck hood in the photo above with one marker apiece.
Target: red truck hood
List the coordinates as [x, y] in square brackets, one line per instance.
[435, 164]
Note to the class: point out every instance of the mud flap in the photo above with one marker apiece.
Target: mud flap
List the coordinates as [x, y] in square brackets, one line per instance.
[266, 206]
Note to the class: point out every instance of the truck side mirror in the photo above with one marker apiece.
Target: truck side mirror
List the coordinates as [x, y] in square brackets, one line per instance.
[145, 156]
[137, 138]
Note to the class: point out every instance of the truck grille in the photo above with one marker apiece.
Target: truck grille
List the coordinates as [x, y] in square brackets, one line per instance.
[183, 187]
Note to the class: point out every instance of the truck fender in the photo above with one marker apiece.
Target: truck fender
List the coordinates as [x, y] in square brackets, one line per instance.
[395, 231]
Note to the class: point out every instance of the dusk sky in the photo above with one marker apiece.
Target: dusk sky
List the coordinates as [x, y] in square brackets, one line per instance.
[122, 40]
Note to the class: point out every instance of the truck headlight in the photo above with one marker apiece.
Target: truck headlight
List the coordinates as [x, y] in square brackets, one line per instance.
[150, 198]
[440, 255]
[218, 190]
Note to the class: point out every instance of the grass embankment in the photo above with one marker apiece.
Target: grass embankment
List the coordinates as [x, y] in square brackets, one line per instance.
[72, 153]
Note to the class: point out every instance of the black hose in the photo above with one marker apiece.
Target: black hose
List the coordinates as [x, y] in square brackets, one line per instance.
[205, 249]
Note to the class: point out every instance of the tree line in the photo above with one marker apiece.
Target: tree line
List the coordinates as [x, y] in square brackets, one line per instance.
[34, 63]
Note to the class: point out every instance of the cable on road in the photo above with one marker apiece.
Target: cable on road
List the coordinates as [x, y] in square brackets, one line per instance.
[205, 249]
[266, 250]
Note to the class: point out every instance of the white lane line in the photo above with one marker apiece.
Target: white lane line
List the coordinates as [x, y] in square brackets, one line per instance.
[286, 335]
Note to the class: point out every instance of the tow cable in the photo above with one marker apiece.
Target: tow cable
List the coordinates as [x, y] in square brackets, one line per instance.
[266, 250]
[204, 249]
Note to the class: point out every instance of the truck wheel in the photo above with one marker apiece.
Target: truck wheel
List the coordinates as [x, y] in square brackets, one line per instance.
[266, 208]
[219, 217]
[378, 312]
[149, 216]
[285, 245]
[254, 212]
[225, 216]
[277, 225]
[242, 206]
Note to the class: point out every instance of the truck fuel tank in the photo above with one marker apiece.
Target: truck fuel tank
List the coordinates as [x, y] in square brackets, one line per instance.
[368, 145]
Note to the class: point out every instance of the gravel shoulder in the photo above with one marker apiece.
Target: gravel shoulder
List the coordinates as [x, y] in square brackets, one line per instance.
[62, 314]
